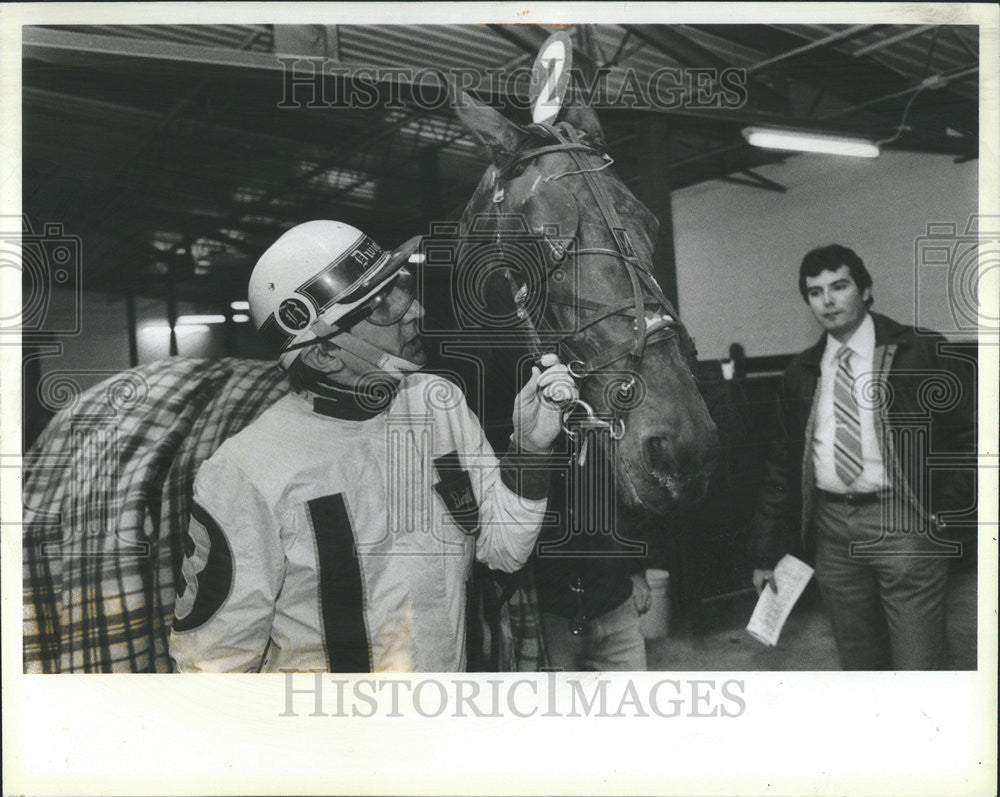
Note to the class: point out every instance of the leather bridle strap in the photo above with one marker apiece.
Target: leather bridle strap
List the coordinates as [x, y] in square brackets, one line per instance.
[536, 152]
[641, 280]
[639, 277]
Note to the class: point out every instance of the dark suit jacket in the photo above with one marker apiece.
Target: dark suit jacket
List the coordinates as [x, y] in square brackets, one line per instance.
[924, 404]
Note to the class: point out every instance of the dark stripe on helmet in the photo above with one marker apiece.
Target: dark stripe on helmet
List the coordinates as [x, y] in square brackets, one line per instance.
[384, 275]
[329, 286]
[273, 334]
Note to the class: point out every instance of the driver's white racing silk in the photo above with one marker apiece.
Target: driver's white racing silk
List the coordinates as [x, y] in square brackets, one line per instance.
[319, 543]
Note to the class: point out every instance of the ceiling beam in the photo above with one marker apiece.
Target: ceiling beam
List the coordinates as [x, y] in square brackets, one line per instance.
[861, 81]
[94, 49]
[278, 148]
[528, 37]
[909, 33]
[667, 40]
[810, 47]
[670, 42]
[531, 37]
[755, 180]
[42, 42]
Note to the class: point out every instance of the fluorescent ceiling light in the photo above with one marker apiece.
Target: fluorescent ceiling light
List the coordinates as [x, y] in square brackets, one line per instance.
[241, 318]
[187, 320]
[240, 305]
[164, 329]
[810, 142]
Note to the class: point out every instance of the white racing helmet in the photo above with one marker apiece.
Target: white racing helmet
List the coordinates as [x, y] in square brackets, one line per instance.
[312, 276]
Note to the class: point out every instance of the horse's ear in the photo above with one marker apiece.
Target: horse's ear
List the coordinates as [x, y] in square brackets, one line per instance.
[581, 116]
[497, 133]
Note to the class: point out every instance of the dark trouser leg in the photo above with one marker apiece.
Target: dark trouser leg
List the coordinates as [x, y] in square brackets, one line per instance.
[913, 595]
[886, 597]
[849, 588]
[564, 648]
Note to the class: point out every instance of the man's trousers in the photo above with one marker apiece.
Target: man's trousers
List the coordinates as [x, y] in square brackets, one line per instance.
[611, 642]
[884, 589]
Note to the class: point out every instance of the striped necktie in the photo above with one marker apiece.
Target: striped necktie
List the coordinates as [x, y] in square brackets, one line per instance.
[847, 458]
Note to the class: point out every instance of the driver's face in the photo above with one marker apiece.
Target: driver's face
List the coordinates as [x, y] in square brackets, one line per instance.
[389, 321]
[401, 338]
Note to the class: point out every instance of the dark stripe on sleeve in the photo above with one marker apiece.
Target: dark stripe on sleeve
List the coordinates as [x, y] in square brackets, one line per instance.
[341, 591]
[521, 473]
[455, 491]
[448, 464]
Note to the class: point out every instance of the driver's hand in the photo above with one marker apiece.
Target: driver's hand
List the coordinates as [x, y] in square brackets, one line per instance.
[538, 407]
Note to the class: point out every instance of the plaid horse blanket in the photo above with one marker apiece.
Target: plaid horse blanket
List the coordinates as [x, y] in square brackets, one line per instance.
[107, 498]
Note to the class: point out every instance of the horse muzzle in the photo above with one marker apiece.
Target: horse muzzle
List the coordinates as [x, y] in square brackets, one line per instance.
[678, 464]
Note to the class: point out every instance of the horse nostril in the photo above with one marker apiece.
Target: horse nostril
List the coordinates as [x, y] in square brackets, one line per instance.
[679, 460]
[682, 470]
[658, 456]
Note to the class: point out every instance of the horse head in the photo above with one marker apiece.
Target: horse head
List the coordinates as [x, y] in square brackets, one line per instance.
[575, 249]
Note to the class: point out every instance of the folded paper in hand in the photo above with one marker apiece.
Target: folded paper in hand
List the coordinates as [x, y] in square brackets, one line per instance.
[791, 575]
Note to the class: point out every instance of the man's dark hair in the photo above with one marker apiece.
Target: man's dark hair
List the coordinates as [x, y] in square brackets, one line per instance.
[831, 258]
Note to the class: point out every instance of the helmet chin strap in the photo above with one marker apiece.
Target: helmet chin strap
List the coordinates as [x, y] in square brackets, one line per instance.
[390, 364]
[393, 366]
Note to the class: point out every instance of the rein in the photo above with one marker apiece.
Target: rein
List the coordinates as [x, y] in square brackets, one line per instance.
[570, 142]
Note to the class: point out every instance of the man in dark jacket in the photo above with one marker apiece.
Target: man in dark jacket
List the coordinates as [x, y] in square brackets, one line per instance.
[849, 481]
[592, 590]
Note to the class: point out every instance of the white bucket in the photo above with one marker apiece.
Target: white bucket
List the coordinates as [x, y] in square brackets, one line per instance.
[656, 622]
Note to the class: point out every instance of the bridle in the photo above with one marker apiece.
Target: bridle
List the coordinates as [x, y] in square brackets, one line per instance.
[646, 293]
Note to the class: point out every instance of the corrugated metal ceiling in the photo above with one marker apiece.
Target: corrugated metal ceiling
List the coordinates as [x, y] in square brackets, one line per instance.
[135, 152]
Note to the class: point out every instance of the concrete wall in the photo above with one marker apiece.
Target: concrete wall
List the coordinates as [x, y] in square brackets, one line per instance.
[739, 248]
[101, 346]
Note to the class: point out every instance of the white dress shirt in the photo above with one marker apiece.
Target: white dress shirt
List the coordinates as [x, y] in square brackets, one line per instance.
[872, 478]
